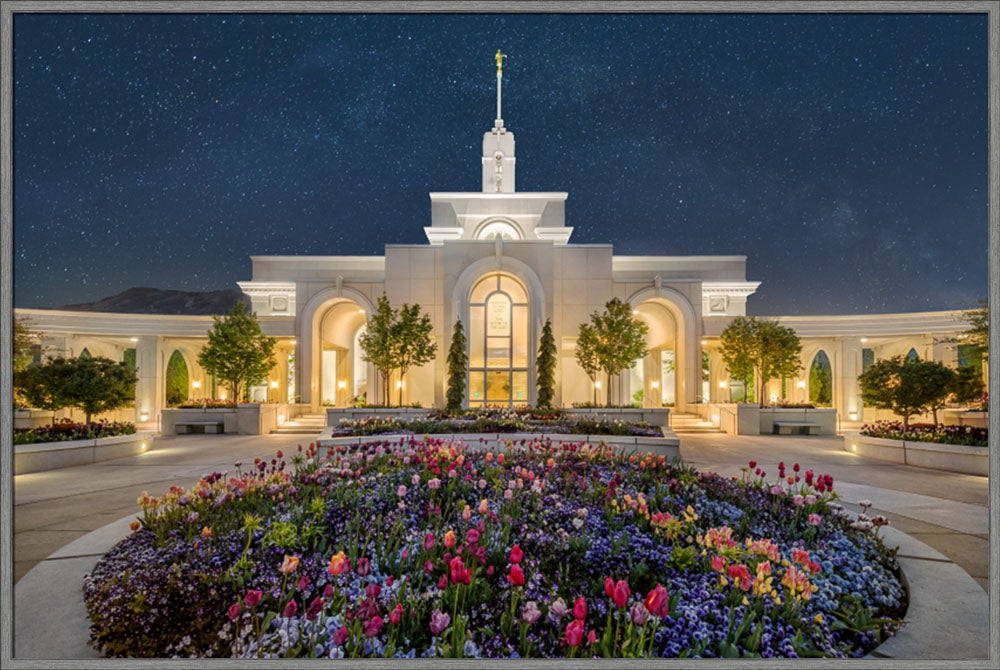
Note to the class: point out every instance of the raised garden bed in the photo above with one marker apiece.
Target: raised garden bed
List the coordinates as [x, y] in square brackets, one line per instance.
[432, 549]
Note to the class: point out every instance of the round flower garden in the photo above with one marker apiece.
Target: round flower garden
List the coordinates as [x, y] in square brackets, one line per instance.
[421, 548]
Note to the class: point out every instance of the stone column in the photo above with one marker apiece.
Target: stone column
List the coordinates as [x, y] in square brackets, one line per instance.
[846, 368]
[54, 346]
[149, 389]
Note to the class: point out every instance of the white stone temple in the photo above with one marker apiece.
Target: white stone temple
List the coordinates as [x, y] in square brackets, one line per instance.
[501, 261]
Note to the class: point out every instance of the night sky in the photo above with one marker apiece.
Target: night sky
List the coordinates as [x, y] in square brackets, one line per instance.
[844, 155]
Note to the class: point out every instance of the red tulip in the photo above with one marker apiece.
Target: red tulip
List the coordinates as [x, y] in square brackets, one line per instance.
[315, 607]
[443, 582]
[658, 602]
[373, 626]
[252, 597]
[516, 554]
[234, 611]
[574, 633]
[290, 609]
[429, 541]
[753, 464]
[580, 609]
[516, 576]
[396, 614]
[591, 637]
[621, 593]
[341, 635]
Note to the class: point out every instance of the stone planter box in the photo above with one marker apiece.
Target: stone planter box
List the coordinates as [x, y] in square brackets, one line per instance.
[335, 414]
[43, 456]
[169, 418]
[961, 417]
[657, 416]
[751, 419]
[826, 417]
[949, 457]
[668, 446]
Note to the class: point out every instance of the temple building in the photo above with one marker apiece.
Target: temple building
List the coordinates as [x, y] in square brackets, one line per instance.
[502, 261]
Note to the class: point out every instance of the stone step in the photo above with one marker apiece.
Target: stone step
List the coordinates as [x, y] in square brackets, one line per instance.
[297, 430]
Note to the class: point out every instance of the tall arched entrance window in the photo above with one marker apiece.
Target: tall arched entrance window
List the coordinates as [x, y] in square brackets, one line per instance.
[498, 342]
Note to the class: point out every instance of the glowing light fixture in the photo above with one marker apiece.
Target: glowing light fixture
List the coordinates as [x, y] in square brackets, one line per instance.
[704, 342]
[864, 339]
[196, 385]
[342, 384]
[656, 384]
[143, 417]
[133, 339]
[801, 384]
[274, 384]
[222, 396]
[774, 398]
[144, 446]
[635, 311]
[292, 343]
[361, 311]
[853, 415]
[597, 384]
[723, 384]
[399, 385]
[715, 418]
[854, 447]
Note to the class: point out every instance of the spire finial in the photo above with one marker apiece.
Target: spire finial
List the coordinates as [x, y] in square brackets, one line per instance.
[499, 57]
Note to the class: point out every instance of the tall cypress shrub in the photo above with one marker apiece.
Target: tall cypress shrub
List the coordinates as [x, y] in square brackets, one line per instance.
[458, 363]
[546, 366]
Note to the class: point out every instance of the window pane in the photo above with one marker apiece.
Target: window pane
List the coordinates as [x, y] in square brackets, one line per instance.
[485, 286]
[498, 352]
[520, 388]
[476, 337]
[475, 386]
[520, 328]
[498, 315]
[498, 387]
[513, 288]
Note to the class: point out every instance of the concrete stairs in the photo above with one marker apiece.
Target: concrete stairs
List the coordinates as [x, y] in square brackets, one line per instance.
[304, 424]
[691, 423]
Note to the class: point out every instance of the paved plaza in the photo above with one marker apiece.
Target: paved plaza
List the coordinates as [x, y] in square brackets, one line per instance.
[946, 511]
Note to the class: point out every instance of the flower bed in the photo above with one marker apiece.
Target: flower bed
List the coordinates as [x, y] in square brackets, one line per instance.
[68, 430]
[206, 403]
[925, 432]
[518, 420]
[431, 549]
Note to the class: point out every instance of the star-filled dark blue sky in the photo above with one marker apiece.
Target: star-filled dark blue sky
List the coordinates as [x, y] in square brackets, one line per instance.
[844, 155]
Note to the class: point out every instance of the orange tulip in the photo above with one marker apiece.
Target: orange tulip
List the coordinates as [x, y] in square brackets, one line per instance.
[337, 562]
[289, 565]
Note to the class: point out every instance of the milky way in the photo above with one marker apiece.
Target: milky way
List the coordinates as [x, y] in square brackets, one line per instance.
[844, 155]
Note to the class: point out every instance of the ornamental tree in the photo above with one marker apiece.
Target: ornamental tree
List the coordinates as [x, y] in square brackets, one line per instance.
[904, 385]
[94, 385]
[621, 338]
[736, 343]
[546, 366]
[378, 345]
[458, 363]
[761, 347]
[967, 387]
[412, 344]
[238, 353]
[587, 345]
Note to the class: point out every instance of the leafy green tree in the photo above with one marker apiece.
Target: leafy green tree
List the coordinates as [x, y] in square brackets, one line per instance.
[621, 338]
[761, 347]
[546, 366]
[736, 346]
[967, 387]
[22, 344]
[587, 344]
[938, 381]
[378, 345]
[176, 379]
[905, 385]
[412, 342]
[238, 353]
[93, 384]
[978, 333]
[458, 365]
[775, 354]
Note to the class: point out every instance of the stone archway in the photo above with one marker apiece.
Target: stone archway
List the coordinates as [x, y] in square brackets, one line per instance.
[687, 345]
[309, 345]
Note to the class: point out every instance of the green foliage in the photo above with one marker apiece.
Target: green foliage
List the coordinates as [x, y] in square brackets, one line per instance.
[412, 342]
[587, 345]
[22, 345]
[905, 385]
[820, 381]
[762, 346]
[94, 385]
[458, 363]
[176, 379]
[238, 353]
[377, 344]
[128, 356]
[967, 386]
[546, 367]
[621, 338]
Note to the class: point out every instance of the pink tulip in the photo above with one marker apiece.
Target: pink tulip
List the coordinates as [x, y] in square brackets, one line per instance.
[574, 633]
[234, 611]
[341, 635]
[290, 609]
[252, 597]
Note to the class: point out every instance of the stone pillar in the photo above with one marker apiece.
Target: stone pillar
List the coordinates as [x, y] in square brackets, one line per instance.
[846, 368]
[149, 389]
[54, 346]
[652, 396]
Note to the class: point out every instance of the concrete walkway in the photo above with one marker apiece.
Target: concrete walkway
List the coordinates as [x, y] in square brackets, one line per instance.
[943, 514]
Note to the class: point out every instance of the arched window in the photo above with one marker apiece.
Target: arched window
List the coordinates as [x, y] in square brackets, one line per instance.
[496, 229]
[912, 355]
[821, 380]
[498, 342]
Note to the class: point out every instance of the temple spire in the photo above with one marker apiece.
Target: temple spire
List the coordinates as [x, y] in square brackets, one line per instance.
[499, 57]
